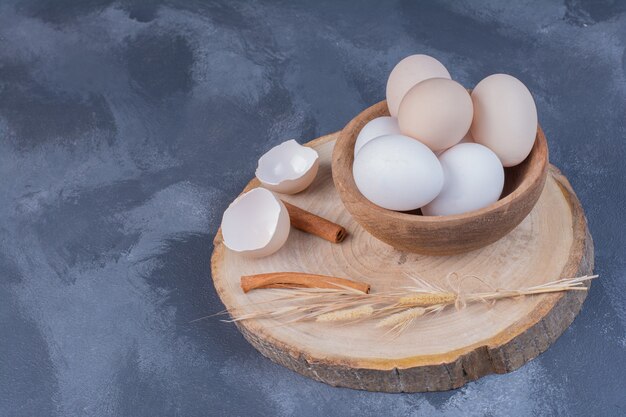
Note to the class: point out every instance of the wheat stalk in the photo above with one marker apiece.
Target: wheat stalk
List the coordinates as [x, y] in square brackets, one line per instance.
[394, 310]
[425, 300]
[347, 314]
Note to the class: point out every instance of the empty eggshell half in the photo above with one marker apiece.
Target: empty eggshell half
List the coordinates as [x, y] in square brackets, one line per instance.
[375, 128]
[256, 224]
[288, 168]
[408, 72]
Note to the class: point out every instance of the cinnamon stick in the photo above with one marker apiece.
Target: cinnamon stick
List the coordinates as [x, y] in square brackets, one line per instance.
[299, 280]
[314, 224]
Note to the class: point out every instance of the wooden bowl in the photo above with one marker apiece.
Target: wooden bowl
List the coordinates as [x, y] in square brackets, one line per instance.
[439, 235]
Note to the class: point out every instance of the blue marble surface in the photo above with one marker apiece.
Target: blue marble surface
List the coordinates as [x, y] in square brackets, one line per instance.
[126, 128]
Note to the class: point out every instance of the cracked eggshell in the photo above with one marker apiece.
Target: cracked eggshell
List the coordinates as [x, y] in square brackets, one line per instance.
[380, 126]
[288, 168]
[256, 224]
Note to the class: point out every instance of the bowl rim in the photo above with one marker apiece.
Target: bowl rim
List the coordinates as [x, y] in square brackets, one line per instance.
[535, 173]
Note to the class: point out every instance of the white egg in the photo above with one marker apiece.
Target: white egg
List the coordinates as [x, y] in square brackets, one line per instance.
[473, 179]
[375, 128]
[397, 173]
[288, 168]
[256, 224]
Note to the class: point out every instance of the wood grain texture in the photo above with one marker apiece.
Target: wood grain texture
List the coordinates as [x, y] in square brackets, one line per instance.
[438, 352]
[439, 235]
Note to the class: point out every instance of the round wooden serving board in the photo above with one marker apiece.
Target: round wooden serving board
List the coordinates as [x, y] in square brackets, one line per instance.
[437, 352]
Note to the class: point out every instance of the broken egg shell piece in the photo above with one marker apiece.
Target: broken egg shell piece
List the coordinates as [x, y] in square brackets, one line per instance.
[256, 224]
[288, 168]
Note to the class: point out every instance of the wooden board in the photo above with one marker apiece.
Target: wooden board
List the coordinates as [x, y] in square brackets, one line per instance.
[438, 352]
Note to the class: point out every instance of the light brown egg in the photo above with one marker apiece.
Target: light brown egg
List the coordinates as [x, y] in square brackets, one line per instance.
[437, 112]
[505, 118]
[408, 72]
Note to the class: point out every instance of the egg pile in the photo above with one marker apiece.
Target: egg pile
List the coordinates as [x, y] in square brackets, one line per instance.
[442, 149]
